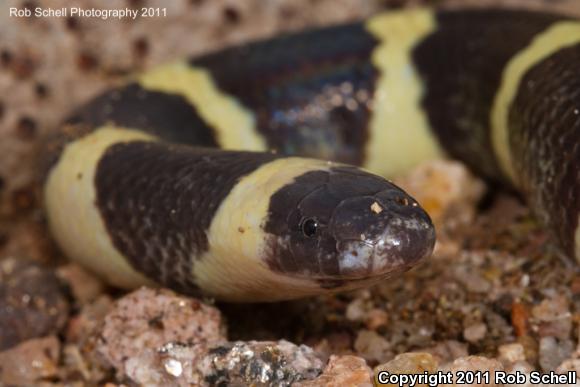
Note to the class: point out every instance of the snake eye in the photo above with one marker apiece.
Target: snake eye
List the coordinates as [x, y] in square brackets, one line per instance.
[309, 227]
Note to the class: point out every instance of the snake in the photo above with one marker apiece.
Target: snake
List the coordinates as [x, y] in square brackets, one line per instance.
[259, 172]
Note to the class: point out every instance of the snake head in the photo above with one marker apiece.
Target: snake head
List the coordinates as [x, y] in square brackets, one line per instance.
[344, 228]
[380, 234]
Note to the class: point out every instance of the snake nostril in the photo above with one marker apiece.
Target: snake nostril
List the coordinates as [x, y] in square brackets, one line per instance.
[396, 199]
[402, 201]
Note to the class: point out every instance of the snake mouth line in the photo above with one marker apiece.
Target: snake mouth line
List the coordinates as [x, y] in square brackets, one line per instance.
[368, 271]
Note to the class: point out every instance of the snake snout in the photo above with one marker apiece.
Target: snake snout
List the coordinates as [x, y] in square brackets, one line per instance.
[381, 235]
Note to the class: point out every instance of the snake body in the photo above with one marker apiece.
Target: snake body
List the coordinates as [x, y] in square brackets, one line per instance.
[230, 174]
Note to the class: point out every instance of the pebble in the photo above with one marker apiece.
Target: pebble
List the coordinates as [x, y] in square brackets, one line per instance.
[569, 365]
[553, 352]
[511, 353]
[447, 351]
[443, 187]
[75, 363]
[334, 343]
[356, 310]
[33, 302]
[83, 325]
[552, 317]
[376, 318]
[239, 363]
[25, 237]
[531, 347]
[520, 315]
[475, 332]
[261, 364]
[147, 319]
[29, 362]
[372, 346]
[472, 279]
[84, 286]
[408, 363]
[81, 335]
[172, 364]
[342, 371]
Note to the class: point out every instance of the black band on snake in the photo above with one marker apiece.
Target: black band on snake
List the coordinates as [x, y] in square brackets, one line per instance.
[238, 174]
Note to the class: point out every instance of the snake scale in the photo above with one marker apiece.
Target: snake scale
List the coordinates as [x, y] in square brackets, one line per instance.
[258, 173]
